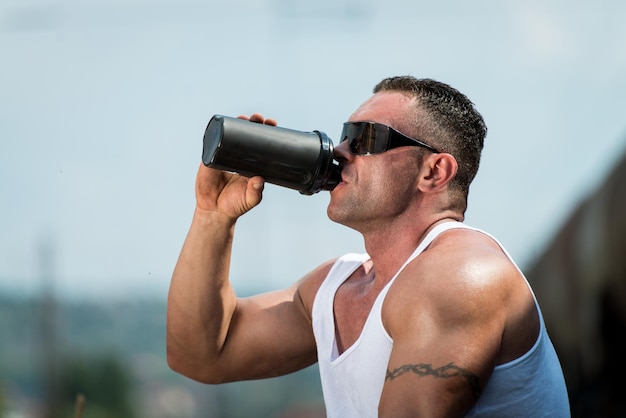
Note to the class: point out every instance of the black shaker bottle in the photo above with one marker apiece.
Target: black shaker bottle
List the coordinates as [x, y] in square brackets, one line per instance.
[298, 160]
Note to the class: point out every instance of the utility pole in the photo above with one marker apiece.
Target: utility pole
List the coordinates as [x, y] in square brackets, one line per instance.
[48, 321]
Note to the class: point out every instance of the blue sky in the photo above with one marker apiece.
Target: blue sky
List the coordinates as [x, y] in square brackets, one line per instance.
[104, 103]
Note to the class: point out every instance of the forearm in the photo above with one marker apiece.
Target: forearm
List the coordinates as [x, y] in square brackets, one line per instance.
[201, 299]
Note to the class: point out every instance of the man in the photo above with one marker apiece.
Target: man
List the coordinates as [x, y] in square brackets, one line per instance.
[434, 321]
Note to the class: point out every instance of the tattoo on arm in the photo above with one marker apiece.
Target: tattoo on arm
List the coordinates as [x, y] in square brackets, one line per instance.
[444, 372]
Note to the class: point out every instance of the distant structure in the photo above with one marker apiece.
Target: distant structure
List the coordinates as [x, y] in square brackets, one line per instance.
[48, 336]
[580, 281]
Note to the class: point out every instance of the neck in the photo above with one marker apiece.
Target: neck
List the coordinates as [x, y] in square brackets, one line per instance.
[390, 247]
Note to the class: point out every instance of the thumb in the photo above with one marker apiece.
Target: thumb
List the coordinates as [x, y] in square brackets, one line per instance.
[254, 191]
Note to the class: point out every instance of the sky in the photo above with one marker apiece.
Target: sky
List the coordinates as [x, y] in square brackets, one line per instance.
[103, 105]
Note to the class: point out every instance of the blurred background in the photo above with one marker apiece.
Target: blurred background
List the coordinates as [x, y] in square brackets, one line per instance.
[103, 105]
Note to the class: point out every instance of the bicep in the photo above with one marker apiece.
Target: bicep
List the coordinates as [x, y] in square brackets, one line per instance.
[439, 364]
[271, 334]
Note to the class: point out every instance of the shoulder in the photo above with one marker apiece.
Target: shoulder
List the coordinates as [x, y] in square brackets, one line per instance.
[466, 259]
[309, 285]
[462, 276]
[306, 288]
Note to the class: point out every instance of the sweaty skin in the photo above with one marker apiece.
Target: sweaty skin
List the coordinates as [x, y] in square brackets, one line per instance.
[455, 312]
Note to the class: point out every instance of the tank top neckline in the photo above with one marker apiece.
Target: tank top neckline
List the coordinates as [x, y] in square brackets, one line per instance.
[376, 310]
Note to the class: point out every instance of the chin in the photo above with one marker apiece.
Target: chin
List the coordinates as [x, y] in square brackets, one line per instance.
[332, 213]
[337, 214]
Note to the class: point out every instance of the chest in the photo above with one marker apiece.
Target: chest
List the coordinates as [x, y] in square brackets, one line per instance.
[352, 306]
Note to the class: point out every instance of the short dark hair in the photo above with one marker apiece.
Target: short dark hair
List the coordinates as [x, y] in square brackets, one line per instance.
[446, 119]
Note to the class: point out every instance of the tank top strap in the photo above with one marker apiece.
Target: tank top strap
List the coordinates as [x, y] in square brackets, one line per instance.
[428, 239]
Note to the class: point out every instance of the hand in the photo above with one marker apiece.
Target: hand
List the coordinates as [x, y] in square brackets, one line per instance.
[229, 194]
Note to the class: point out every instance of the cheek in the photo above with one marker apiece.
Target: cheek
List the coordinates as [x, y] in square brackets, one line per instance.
[394, 178]
[391, 189]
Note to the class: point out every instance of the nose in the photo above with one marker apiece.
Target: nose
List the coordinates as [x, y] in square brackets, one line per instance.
[342, 152]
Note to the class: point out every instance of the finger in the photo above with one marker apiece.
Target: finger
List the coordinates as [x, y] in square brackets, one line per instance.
[257, 117]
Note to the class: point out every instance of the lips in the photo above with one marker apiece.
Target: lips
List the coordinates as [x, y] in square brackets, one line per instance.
[339, 185]
[344, 175]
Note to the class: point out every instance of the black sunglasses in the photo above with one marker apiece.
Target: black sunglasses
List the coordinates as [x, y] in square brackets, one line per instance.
[367, 138]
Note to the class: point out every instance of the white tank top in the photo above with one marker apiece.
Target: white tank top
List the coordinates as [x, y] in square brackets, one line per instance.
[530, 386]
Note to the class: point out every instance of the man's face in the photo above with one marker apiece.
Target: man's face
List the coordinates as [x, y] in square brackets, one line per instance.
[375, 188]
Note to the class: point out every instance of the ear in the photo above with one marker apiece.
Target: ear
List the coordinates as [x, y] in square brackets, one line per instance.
[437, 171]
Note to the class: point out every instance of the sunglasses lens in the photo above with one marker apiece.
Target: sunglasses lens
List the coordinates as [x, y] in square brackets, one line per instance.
[373, 138]
[365, 137]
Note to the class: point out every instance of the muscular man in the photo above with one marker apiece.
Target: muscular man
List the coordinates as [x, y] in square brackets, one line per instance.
[435, 320]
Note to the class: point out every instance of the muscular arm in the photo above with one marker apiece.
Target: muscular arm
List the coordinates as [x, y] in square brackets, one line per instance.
[213, 336]
[440, 374]
[450, 328]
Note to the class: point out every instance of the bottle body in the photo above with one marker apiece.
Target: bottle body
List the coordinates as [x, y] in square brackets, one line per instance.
[297, 160]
